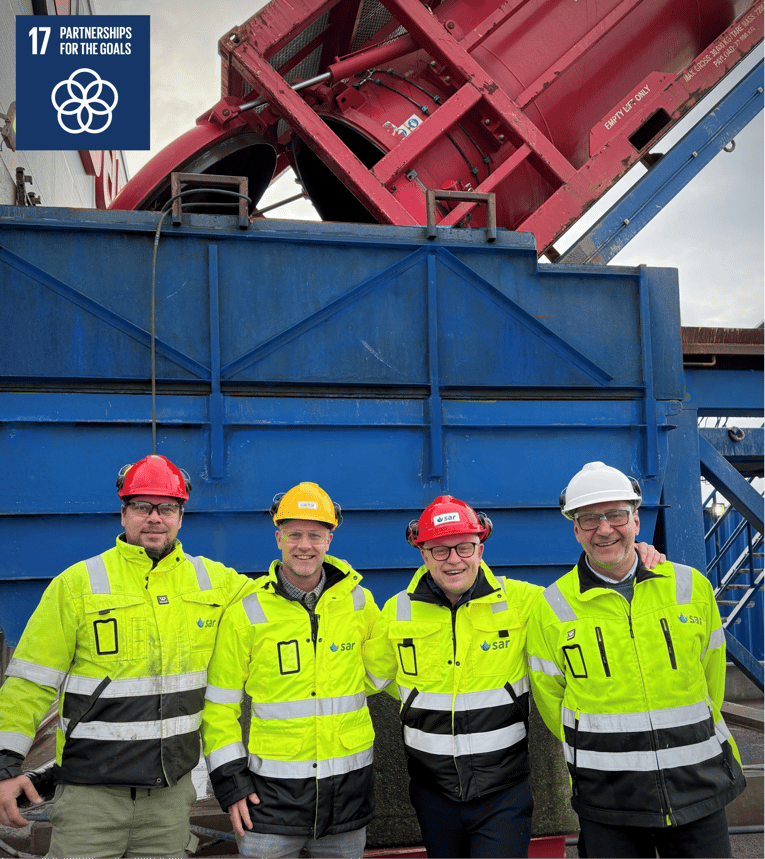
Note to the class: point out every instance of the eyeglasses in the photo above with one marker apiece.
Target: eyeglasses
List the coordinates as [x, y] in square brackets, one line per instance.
[591, 521]
[464, 550]
[313, 537]
[144, 509]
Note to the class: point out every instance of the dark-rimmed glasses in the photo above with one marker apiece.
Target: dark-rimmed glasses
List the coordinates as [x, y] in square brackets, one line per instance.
[464, 550]
[144, 509]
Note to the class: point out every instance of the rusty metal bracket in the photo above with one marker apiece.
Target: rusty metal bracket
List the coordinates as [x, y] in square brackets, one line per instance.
[194, 181]
[432, 194]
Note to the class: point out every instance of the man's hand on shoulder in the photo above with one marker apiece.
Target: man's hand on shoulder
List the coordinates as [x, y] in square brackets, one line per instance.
[649, 555]
[239, 814]
[10, 789]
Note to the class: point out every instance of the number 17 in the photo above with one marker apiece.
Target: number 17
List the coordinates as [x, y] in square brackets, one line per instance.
[33, 34]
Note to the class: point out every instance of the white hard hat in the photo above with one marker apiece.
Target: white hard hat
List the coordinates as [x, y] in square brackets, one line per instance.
[595, 483]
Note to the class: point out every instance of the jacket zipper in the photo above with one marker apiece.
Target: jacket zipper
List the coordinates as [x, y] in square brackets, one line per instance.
[652, 734]
[314, 621]
[602, 648]
[668, 639]
[574, 780]
[453, 610]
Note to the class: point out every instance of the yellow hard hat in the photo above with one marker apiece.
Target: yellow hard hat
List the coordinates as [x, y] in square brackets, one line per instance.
[306, 501]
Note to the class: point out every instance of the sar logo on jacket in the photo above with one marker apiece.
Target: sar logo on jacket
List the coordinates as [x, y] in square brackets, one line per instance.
[495, 645]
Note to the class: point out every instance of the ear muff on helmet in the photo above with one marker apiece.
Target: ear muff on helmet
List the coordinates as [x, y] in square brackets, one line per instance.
[411, 534]
[274, 508]
[485, 523]
[338, 514]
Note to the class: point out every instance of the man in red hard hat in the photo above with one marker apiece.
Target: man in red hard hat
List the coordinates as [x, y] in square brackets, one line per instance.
[455, 643]
[123, 639]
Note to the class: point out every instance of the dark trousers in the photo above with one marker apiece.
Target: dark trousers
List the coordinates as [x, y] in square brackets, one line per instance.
[706, 837]
[495, 825]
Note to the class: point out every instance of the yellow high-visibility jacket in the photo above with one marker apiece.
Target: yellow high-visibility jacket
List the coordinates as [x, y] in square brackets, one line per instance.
[634, 691]
[310, 734]
[462, 679]
[125, 645]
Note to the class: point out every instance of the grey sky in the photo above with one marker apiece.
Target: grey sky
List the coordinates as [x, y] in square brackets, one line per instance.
[712, 232]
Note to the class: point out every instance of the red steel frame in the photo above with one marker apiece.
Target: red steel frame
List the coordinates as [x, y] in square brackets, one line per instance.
[245, 50]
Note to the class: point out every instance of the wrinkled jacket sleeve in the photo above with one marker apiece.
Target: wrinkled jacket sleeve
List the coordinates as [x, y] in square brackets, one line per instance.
[371, 614]
[548, 682]
[379, 658]
[238, 586]
[227, 674]
[36, 672]
[713, 656]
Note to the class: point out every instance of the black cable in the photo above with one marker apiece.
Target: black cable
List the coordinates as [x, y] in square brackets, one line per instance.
[165, 211]
[423, 107]
[485, 158]
[473, 170]
[436, 98]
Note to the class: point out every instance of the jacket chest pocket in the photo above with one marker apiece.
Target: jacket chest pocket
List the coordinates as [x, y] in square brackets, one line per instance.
[496, 646]
[115, 627]
[418, 649]
[202, 611]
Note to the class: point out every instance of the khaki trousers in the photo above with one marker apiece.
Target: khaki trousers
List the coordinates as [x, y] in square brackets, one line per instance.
[103, 822]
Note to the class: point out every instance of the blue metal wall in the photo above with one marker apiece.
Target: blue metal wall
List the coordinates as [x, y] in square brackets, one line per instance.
[384, 367]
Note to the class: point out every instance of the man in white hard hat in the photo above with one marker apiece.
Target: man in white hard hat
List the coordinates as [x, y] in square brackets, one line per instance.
[627, 668]
[293, 644]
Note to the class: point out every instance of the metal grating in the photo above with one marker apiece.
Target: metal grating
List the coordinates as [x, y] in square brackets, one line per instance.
[374, 16]
[307, 68]
[284, 56]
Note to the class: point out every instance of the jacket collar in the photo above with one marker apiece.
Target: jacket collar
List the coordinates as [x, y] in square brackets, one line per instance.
[588, 581]
[485, 584]
[338, 575]
[137, 555]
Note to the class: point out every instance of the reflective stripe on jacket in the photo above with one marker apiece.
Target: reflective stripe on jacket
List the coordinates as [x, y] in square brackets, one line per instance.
[461, 675]
[310, 739]
[125, 645]
[634, 692]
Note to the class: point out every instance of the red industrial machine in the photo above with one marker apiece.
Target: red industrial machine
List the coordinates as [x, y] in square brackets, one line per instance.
[373, 102]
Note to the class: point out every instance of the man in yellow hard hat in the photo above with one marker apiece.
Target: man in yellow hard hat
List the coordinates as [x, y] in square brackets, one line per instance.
[123, 639]
[293, 644]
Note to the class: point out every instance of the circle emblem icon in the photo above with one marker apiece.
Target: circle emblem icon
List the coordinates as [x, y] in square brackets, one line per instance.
[90, 103]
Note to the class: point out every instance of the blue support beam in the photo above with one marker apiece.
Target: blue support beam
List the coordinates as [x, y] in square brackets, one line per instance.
[670, 175]
[743, 448]
[725, 393]
[724, 477]
[741, 657]
[682, 514]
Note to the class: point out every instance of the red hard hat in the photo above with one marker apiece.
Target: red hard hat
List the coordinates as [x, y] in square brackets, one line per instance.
[153, 475]
[445, 516]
